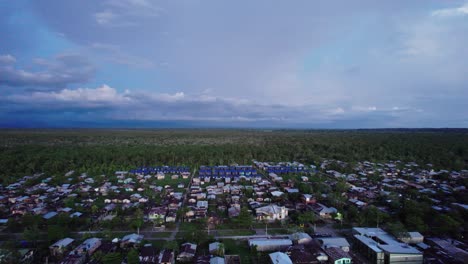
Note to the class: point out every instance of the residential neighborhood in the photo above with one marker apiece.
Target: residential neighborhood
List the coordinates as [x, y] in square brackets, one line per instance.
[279, 213]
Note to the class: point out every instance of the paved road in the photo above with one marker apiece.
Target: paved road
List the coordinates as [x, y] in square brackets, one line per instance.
[187, 191]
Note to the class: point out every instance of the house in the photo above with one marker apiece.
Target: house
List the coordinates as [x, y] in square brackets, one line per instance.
[76, 214]
[277, 193]
[412, 238]
[324, 211]
[301, 238]
[308, 199]
[339, 242]
[49, 215]
[202, 260]
[171, 216]
[279, 258]
[300, 254]
[216, 248]
[148, 254]
[232, 259]
[89, 246]
[271, 213]
[217, 260]
[74, 258]
[202, 204]
[131, 240]
[166, 257]
[234, 211]
[59, 247]
[187, 252]
[157, 214]
[338, 256]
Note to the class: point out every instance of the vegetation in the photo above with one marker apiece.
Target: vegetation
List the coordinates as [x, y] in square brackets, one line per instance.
[105, 151]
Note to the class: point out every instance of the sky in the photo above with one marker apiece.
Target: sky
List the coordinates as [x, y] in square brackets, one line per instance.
[243, 63]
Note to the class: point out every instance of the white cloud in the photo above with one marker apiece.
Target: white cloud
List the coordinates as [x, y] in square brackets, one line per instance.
[114, 54]
[81, 96]
[451, 12]
[123, 13]
[7, 59]
[104, 17]
[57, 72]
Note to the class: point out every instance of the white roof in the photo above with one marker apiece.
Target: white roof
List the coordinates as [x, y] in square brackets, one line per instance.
[63, 242]
[272, 208]
[280, 258]
[415, 235]
[277, 193]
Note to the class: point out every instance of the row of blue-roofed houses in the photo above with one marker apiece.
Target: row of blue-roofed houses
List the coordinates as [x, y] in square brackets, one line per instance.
[161, 169]
[285, 167]
[227, 171]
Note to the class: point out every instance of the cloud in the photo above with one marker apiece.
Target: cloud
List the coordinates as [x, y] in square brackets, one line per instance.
[55, 73]
[374, 63]
[115, 54]
[7, 59]
[104, 17]
[106, 103]
[124, 13]
[451, 12]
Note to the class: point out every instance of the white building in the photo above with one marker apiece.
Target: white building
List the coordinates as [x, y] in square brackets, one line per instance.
[271, 213]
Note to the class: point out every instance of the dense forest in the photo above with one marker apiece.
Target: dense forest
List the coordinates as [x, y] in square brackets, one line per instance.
[25, 152]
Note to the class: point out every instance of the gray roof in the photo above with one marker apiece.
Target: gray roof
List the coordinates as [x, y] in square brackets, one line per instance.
[63, 242]
[217, 260]
[214, 246]
[49, 215]
[399, 248]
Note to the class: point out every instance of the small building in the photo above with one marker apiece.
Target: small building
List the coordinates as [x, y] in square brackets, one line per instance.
[301, 238]
[131, 240]
[166, 257]
[61, 246]
[148, 254]
[271, 213]
[337, 242]
[187, 252]
[280, 258]
[338, 256]
[157, 214]
[49, 215]
[308, 198]
[216, 248]
[217, 260]
[379, 247]
[412, 238]
[89, 246]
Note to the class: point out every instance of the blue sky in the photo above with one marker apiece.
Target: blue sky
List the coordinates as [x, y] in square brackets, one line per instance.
[215, 63]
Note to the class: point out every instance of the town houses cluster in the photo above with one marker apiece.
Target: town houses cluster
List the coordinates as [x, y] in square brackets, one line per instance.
[143, 208]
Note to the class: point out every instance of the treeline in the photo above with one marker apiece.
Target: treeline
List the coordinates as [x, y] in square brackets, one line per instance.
[104, 151]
